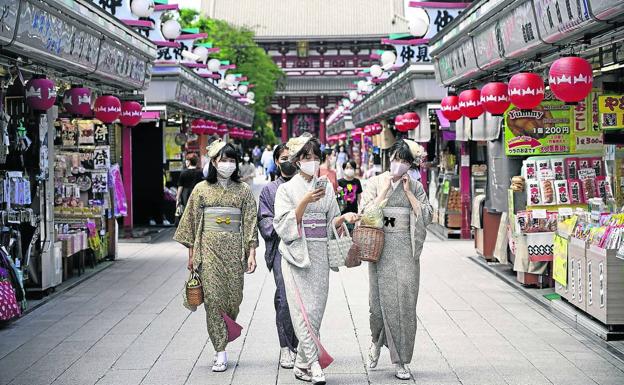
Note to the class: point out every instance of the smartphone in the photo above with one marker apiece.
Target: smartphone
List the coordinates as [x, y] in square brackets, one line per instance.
[321, 183]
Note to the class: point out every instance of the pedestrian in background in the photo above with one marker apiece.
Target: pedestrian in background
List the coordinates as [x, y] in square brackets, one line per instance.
[267, 158]
[266, 213]
[326, 169]
[187, 180]
[219, 226]
[247, 170]
[406, 216]
[351, 187]
[341, 159]
[256, 154]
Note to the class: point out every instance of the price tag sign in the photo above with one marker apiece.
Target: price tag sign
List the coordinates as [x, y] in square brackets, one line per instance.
[565, 211]
[539, 214]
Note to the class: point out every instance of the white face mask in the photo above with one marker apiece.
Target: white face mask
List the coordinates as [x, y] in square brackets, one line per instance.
[310, 167]
[349, 173]
[246, 159]
[398, 168]
[226, 169]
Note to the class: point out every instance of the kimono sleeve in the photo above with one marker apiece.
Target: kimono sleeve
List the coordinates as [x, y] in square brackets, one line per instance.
[187, 228]
[266, 213]
[426, 211]
[369, 194]
[285, 221]
[250, 221]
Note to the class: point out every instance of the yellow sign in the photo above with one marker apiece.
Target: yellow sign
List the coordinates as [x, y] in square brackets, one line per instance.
[611, 108]
[560, 260]
[173, 150]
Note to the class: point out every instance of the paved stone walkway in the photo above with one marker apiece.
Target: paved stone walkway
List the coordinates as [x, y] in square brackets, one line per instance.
[127, 326]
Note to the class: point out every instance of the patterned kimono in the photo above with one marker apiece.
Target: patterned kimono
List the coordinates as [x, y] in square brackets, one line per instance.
[305, 265]
[266, 213]
[395, 278]
[221, 256]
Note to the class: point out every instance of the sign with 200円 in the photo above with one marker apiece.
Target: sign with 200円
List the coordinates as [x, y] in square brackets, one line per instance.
[611, 108]
[544, 130]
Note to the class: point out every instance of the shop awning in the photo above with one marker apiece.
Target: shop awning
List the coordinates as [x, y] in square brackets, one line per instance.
[343, 124]
[180, 88]
[78, 39]
[444, 122]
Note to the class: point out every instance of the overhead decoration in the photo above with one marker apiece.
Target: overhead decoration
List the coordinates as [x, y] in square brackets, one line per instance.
[410, 121]
[450, 108]
[570, 79]
[222, 129]
[387, 59]
[142, 8]
[376, 129]
[40, 93]
[131, 113]
[376, 70]
[398, 123]
[196, 126]
[107, 108]
[495, 98]
[470, 103]
[418, 23]
[77, 101]
[171, 29]
[526, 90]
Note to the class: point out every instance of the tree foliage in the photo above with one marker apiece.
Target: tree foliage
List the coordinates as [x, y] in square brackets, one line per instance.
[237, 45]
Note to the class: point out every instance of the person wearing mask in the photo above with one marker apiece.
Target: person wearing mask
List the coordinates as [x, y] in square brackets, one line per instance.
[305, 212]
[256, 154]
[219, 228]
[189, 177]
[267, 158]
[247, 170]
[266, 213]
[407, 214]
[341, 159]
[350, 188]
[326, 167]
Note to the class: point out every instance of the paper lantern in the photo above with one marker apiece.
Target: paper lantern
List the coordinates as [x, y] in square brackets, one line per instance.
[197, 126]
[77, 101]
[251, 95]
[387, 59]
[410, 121]
[242, 89]
[571, 79]
[526, 90]
[142, 8]
[494, 98]
[222, 129]
[131, 113]
[398, 123]
[418, 22]
[214, 65]
[376, 71]
[171, 29]
[107, 108]
[40, 93]
[342, 136]
[470, 103]
[450, 108]
[230, 79]
[201, 52]
[376, 129]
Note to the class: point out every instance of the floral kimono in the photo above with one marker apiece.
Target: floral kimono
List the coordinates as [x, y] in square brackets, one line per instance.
[395, 278]
[220, 224]
[305, 264]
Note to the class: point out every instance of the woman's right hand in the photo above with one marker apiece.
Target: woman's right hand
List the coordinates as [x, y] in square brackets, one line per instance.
[314, 195]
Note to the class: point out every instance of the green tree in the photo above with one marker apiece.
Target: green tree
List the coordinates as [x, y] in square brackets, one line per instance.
[237, 45]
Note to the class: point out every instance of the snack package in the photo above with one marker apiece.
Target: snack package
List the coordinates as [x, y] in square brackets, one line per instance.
[548, 191]
[576, 191]
[543, 164]
[533, 193]
[530, 169]
[561, 189]
[584, 163]
[558, 166]
[608, 189]
[601, 188]
[589, 188]
[596, 164]
[571, 165]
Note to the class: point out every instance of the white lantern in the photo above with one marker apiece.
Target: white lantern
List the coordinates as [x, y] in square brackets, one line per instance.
[353, 95]
[230, 79]
[171, 29]
[242, 89]
[188, 55]
[387, 59]
[214, 65]
[418, 22]
[251, 95]
[222, 84]
[376, 70]
[361, 85]
[142, 8]
[346, 103]
[201, 52]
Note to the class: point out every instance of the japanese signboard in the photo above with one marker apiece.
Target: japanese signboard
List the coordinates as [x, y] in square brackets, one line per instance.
[458, 62]
[101, 157]
[559, 18]
[412, 53]
[587, 132]
[611, 109]
[545, 130]
[100, 181]
[517, 30]
[487, 46]
[439, 17]
[8, 19]
[606, 9]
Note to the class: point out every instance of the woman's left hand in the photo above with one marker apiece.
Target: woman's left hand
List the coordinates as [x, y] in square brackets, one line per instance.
[351, 217]
[251, 264]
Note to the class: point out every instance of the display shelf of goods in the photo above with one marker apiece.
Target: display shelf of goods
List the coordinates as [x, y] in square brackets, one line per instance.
[453, 205]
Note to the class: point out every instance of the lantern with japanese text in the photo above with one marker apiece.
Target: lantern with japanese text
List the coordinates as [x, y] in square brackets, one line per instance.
[411, 121]
[376, 129]
[450, 108]
[368, 130]
[470, 103]
[526, 90]
[40, 93]
[494, 98]
[107, 108]
[77, 101]
[570, 79]
[398, 123]
[131, 113]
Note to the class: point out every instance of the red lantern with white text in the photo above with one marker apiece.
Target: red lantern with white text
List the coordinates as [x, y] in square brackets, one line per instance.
[494, 98]
[450, 108]
[368, 130]
[377, 128]
[398, 123]
[411, 121]
[40, 93]
[526, 90]
[77, 101]
[107, 108]
[131, 113]
[570, 79]
[342, 136]
[210, 127]
[222, 129]
[470, 103]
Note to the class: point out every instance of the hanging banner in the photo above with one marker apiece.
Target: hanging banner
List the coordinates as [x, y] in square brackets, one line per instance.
[611, 109]
[587, 132]
[560, 260]
[545, 130]
[173, 151]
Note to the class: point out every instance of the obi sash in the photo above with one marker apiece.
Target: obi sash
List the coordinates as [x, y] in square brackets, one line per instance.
[396, 219]
[222, 219]
[315, 225]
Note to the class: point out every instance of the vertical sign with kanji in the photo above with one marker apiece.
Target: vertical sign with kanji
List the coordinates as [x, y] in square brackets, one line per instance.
[611, 108]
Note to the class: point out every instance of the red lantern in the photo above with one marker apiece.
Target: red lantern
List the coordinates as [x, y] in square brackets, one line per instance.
[356, 135]
[209, 127]
[526, 90]
[197, 126]
[398, 123]
[470, 103]
[222, 129]
[570, 79]
[342, 136]
[40, 93]
[494, 98]
[131, 113]
[77, 101]
[107, 108]
[450, 108]
[411, 121]
[368, 130]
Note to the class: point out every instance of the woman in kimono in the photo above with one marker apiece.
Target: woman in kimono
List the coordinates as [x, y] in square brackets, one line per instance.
[266, 212]
[305, 211]
[219, 227]
[395, 278]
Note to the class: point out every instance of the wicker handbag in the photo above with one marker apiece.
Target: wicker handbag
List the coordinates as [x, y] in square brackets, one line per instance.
[194, 289]
[369, 241]
[338, 248]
